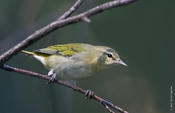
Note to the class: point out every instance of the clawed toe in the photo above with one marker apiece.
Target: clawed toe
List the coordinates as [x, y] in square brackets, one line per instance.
[89, 94]
[52, 76]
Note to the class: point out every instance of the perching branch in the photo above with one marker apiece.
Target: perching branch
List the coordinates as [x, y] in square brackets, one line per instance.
[63, 21]
[59, 24]
[104, 102]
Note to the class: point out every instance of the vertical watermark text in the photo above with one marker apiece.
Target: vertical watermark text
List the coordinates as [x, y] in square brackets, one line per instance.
[171, 99]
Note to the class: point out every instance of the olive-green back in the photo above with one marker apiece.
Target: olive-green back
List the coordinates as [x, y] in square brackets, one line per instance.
[64, 50]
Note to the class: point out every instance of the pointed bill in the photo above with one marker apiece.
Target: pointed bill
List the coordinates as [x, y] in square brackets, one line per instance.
[121, 62]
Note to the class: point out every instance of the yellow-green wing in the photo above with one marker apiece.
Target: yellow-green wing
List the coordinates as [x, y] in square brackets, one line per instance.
[65, 49]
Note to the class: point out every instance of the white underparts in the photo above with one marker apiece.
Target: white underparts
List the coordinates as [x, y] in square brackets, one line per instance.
[41, 59]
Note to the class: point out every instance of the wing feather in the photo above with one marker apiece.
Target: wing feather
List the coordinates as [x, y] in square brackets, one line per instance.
[65, 49]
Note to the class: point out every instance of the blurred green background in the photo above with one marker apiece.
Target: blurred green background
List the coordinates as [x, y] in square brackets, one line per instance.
[143, 33]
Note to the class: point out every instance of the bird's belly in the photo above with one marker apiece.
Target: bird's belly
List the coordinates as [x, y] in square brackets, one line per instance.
[69, 69]
[73, 72]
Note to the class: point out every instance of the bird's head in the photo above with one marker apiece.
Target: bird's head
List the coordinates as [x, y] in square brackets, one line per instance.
[108, 56]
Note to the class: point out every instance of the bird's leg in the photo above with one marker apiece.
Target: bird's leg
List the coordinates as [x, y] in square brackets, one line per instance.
[52, 76]
[89, 94]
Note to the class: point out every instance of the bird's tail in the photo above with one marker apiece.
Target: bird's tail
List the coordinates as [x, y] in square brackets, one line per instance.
[28, 53]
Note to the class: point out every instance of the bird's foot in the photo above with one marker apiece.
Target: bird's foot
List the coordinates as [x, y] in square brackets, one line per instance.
[89, 94]
[52, 76]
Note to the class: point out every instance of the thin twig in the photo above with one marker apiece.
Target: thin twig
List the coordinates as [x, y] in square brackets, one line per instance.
[71, 10]
[59, 24]
[104, 102]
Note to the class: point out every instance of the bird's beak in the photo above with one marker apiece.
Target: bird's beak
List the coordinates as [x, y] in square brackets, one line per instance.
[121, 62]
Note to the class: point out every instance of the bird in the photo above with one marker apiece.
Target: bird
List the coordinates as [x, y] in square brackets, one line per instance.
[74, 61]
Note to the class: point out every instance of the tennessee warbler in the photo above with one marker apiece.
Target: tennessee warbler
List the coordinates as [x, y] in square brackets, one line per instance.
[75, 60]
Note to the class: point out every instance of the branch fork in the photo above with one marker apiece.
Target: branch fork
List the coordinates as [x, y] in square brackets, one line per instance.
[86, 19]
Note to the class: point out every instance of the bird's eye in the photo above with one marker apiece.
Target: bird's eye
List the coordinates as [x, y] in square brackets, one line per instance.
[109, 55]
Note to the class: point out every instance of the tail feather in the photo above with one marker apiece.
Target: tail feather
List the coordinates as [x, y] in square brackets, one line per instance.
[28, 52]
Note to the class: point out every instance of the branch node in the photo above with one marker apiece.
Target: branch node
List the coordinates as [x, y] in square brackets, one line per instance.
[7, 67]
[86, 19]
[71, 10]
[107, 107]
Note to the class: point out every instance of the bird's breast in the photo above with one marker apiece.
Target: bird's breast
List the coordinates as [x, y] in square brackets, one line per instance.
[76, 67]
[69, 68]
[74, 72]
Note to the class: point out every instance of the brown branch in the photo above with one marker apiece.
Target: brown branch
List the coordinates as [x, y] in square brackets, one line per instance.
[71, 10]
[104, 102]
[59, 24]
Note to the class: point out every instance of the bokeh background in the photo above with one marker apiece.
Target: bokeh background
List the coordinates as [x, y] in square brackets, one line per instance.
[143, 33]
